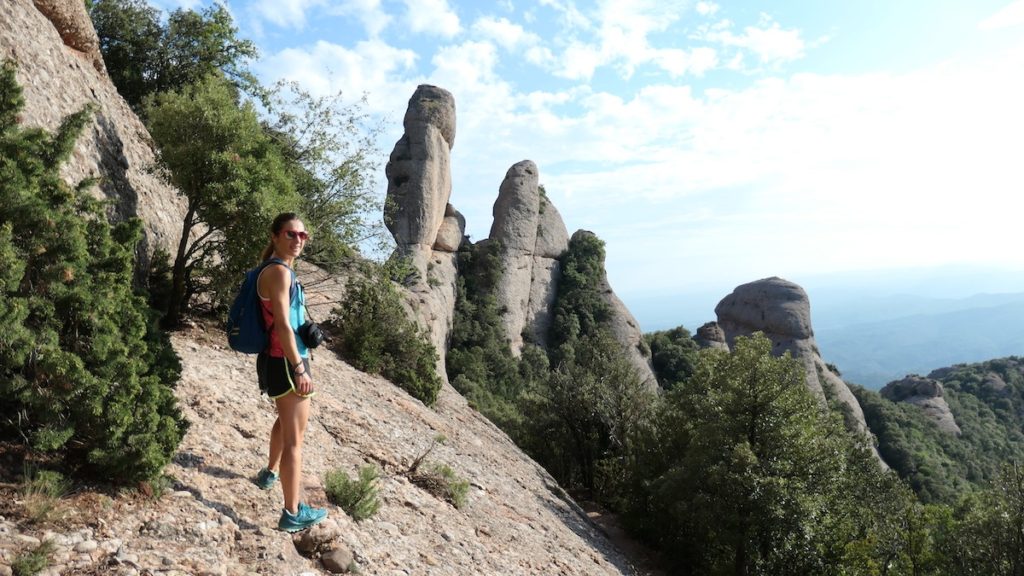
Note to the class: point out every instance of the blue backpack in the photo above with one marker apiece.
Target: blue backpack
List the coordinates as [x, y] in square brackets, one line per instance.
[245, 328]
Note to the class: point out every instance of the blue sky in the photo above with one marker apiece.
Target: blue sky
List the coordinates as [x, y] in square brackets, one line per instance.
[708, 143]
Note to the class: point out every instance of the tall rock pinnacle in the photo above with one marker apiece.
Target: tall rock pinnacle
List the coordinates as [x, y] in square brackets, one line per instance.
[427, 229]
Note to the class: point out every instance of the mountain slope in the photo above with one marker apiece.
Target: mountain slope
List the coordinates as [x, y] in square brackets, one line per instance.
[215, 521]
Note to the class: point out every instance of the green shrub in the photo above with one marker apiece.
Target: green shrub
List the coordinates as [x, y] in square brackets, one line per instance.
[441, 481]
[375, 335]
[41, 492]
[84, 374]
[32, 562]
[358, 498]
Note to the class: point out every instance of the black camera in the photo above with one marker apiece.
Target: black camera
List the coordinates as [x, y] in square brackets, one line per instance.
[311, 334]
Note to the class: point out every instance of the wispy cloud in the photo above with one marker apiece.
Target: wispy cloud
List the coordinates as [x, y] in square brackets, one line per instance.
[768, 40]
[432, 17]
[369, 12]
[1008, 16]
[285, 13]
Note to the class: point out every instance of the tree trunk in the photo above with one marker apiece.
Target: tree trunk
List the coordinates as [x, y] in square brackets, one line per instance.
[177, 302]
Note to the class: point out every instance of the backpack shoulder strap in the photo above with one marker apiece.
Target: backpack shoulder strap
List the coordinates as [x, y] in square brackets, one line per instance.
[291, 287]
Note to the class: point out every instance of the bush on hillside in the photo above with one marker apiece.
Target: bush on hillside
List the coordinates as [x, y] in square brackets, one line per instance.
[357, 497]
[84, 374]
[374, 334]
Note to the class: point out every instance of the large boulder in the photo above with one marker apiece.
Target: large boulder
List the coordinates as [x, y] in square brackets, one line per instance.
[51, 42]
[711, 335]
[72, 22]
[782, 311]
[926, 394]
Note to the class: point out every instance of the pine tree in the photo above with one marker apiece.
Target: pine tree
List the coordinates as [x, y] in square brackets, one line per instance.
[83, 372]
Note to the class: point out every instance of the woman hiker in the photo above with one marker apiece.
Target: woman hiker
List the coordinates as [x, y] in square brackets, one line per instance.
[283, 370]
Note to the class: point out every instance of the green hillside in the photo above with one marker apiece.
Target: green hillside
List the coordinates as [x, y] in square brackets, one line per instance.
[987, 400]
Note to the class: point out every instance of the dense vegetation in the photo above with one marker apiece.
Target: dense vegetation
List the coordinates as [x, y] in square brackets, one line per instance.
[375, 334]
[987, 401]
[84, 374]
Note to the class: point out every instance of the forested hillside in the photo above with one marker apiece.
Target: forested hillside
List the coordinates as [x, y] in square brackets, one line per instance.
[987, 402]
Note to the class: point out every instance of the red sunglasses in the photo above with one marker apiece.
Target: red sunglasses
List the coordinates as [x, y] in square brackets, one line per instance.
[292, 235]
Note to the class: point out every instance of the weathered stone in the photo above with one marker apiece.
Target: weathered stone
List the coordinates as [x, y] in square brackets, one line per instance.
[927, 394]
[338, 560]
[552, 236]
[711, 335]
[317, 538]
[75, 28]
[782, 311]
[115, 145]
[451, 232]
[419, 171]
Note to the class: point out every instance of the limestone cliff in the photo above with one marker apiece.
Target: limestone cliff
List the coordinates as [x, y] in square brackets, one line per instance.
[781, 310]
[928, 395]
[56, 52]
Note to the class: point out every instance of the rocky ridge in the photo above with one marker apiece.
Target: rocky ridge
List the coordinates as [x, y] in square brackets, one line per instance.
[214, 521]
[782, 311]
[928, 395]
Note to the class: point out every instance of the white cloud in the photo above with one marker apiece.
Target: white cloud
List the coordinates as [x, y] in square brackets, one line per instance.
[285, 13]
[707, 8]
[769, 41]
[1008, 16]
[506, 34]
[371, 66]
[432, 17]
[369, 12]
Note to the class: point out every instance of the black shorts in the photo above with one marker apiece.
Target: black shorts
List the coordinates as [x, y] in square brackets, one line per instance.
[276, 376]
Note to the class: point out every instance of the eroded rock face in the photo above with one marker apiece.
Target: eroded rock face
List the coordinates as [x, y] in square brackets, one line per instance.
[419, 174]
[781, 310]
[75, 28]
[427, 229]
[711, 335]
[926, 394]
[59, 78]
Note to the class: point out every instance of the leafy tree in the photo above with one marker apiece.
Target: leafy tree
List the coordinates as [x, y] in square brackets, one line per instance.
[331, 149]
[145, 56]
[234, 178]
[673, 355]
[753, 486]
[83, 373]
[988, 536]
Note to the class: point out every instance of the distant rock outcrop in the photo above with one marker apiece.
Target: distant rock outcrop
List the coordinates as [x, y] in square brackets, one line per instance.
[781, 310]
[926, 394]
[711, 335]
[54, 46]
[427, 229]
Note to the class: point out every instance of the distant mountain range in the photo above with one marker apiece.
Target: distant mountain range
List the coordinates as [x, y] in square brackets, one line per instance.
[876, 352]
[882, 325]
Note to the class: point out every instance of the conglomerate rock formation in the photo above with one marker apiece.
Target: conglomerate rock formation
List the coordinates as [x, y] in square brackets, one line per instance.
[427, 229]
[781, 310]
[926, 394]
[56, 61]
[532, 238]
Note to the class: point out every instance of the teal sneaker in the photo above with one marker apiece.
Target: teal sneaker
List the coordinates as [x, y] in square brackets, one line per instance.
[305, 518]
[266, 478]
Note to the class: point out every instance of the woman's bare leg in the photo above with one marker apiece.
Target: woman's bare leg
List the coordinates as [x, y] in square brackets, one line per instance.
[292, 414]
[276, 447]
